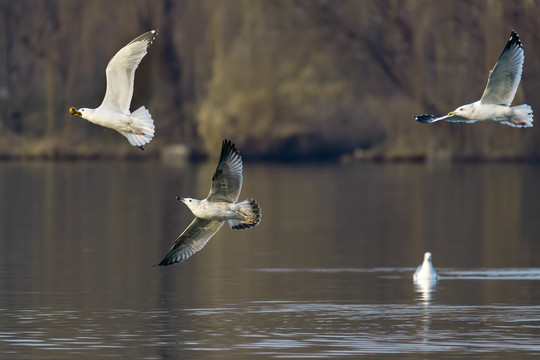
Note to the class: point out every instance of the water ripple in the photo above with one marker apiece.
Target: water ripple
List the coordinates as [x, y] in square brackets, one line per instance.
[285, 329]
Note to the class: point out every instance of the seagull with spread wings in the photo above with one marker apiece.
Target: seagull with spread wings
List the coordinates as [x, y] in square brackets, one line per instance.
[501, 88]
[219, 206]
[137, 126]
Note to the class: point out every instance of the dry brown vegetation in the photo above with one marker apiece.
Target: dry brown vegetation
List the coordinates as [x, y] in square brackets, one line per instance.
[282, 78]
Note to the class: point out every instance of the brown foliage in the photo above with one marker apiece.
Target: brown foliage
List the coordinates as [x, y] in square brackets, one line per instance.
[282, 78]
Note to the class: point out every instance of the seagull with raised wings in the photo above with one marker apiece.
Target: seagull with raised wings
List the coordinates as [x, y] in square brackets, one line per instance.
[501, 88]
[219, 206]
[137, 126]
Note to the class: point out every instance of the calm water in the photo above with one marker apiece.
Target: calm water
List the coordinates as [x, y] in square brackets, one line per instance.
[327, 274]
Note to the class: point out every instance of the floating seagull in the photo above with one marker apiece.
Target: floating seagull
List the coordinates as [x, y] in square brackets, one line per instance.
[426, 270]
[220, 205]
[500, 91]
[138, 126]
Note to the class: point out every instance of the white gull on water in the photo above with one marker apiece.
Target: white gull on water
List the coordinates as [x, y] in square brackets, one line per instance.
[426, 270]
[138, 126]
[501, 88]
[219, 206]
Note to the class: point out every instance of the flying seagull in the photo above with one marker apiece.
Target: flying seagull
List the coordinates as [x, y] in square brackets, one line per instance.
[138, 126]
[426, 270]
[501, 88]
[219, 206]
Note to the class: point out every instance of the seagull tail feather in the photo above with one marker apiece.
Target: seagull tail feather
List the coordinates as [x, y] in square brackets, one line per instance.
[142, 121]
[143, 127]
[251, 214]
[522, 116]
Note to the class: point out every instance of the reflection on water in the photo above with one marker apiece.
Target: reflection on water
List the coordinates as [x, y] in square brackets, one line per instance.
[425, 287]
[279, 328]
[327, 274]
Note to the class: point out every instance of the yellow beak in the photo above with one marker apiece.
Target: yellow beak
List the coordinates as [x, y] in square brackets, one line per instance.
[73, 112]
[451, 113]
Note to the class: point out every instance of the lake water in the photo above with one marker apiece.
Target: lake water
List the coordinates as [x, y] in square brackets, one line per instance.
[327, 274]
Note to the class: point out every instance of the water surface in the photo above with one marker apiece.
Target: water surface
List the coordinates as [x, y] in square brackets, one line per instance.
[327, 274]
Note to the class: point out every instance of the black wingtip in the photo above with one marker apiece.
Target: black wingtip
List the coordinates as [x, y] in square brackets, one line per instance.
[155, 33]
[228, 144]
[141, 147]
[166, 262]
[425, 118]
[163, 263]
[147, 37]
[513, 41]
[227, 147]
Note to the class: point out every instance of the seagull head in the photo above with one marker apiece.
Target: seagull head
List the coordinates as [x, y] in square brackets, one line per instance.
[465, 111]
[188, 201]
[427, 257]
[85, 113]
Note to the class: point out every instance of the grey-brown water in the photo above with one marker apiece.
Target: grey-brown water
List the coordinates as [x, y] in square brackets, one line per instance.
[327, 274]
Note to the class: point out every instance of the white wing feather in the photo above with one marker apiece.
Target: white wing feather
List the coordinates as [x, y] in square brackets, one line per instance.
[121, 72]
[504, 78]
[427, 118]
[227, 179]
[193, 239]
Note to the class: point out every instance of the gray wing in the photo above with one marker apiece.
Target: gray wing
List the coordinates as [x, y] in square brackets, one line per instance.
[427, 118]
[193, 239]
[504, 78]
[121, 72]
[227, 180]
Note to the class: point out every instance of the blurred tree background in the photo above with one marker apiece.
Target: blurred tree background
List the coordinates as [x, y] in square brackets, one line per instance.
[285, 79]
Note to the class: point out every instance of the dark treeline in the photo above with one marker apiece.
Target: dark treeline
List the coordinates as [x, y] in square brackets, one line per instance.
[282, 78]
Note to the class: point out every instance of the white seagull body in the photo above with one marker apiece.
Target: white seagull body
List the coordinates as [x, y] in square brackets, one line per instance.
[426, 270]
[500, 91]
[219, 206]
[138, 126]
